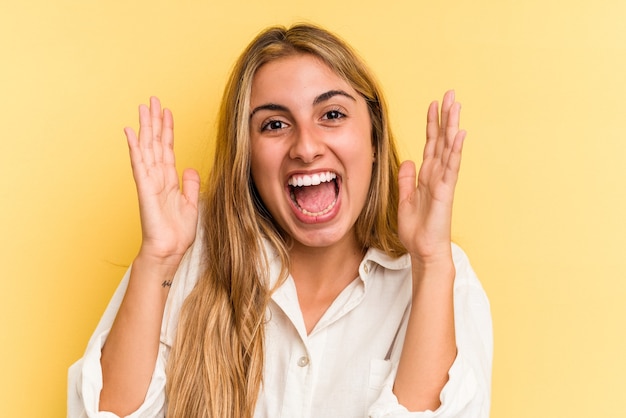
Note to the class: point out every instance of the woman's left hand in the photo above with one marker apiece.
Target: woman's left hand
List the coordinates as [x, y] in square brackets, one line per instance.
[425, 210]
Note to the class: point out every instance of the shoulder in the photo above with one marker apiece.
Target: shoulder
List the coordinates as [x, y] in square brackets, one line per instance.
[400, 267]
[460, 258]
[403, 262]
[462, 263]
[466, 282]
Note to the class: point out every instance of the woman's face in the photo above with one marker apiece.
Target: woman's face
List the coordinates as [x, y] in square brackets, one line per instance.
[312, 151]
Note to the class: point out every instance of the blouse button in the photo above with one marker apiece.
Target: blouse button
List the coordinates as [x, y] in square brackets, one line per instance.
[303, 361]
[366, 269]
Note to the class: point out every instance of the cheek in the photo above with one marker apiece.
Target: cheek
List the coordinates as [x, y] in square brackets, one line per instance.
[363, 154]
[258, 157]
[264, 169]
[257, 168]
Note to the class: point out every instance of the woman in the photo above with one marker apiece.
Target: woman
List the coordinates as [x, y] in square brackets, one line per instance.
[321, 281]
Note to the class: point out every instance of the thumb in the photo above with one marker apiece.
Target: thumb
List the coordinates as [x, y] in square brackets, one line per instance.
[191, 185]
[406, 180]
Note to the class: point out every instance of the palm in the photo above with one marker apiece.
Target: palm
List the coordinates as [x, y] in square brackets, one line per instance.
[425, 210]
[168, 214]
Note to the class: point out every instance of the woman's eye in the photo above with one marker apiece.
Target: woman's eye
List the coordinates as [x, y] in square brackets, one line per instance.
[273, 125]
[333, 114]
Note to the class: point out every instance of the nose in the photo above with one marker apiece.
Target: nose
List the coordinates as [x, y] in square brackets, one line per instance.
[307, 145]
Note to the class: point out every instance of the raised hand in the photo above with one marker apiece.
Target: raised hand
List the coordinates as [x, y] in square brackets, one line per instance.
[168, 221]
[424, 223]
[425, 207]
[168, 214]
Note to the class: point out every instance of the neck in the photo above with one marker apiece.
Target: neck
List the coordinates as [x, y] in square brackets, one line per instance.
[321, 274]
[321, 266]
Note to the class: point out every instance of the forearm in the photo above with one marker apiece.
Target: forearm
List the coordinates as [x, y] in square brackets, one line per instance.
[429, 347]
[130, 352]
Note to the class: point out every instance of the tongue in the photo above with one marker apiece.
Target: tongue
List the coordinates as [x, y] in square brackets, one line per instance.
[315, 199]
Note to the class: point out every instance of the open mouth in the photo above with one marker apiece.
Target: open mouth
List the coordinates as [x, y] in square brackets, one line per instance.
[314, 194]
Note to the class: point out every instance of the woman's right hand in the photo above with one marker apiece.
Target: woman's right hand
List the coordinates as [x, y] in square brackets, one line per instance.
[169, 215]
[169, 219]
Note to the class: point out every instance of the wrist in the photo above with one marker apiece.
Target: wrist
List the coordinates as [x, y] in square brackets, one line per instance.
[438, 269]
[158, 259]
[433, 258]
[156, 269]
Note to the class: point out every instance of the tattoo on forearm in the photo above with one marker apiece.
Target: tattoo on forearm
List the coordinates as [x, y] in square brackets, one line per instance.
[166, 283]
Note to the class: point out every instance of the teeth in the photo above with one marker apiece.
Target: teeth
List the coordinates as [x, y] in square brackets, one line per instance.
[311, 180]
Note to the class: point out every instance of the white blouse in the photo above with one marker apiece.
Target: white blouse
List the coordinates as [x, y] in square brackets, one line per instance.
[344, 368]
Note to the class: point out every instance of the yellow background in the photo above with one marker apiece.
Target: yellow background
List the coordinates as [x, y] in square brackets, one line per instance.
[540, 206]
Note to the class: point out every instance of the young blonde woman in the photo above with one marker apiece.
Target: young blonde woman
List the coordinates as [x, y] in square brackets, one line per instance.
[315, 277]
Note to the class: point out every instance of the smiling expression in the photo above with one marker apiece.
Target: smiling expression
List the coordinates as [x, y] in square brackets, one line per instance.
[312, 151]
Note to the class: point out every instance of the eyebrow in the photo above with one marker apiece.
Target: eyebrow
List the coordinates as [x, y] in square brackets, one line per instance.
[330, 94]
[269, 106]
[319, 99]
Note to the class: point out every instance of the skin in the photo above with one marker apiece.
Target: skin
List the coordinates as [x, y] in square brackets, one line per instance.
[169, 217]
[305, 120]
[299, 128]
[424, 227]
[306, 135]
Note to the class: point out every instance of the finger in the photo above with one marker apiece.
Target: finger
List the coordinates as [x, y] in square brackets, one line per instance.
[133, 145]
[156, 115]
[452, 127]
[451, 131]
[136, 156]
[453, 165]
[191, 185]
[406, 180]
[446, 104]
[432, 130]
[131, 137]
[145, 136]
[167, 138]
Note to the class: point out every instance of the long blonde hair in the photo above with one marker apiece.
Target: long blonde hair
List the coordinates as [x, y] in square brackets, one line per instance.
[215, 368]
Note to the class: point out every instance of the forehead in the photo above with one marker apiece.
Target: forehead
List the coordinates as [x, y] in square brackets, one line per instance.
[295, 78]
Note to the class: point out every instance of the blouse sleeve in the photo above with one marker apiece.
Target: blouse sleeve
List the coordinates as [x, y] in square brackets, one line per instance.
[467, 394]
[85, 376]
